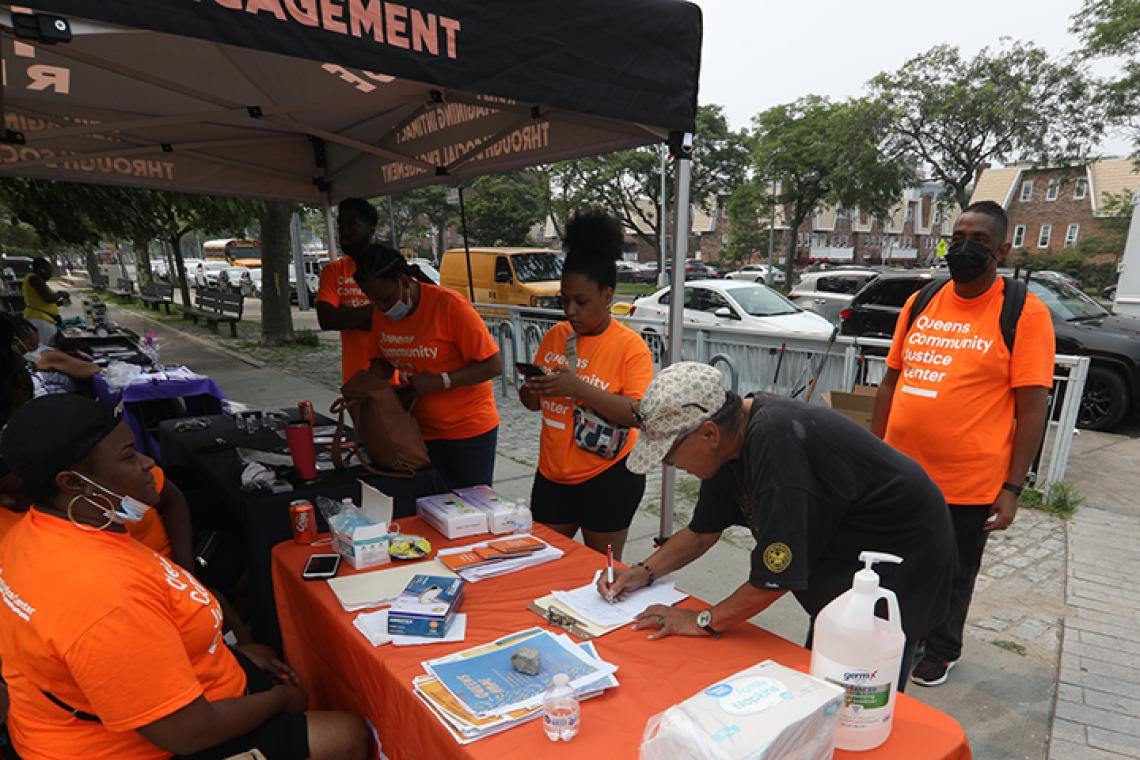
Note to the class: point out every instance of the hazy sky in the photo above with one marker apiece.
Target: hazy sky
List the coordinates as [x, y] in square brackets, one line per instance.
[759, 53]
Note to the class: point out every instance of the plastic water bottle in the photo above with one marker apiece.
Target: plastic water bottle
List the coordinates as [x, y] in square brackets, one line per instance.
[560, 710]
[524, 521]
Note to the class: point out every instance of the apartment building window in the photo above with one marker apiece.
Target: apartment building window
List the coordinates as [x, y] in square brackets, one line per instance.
[840, 213]
[1045, 236]
[1019, 236]
[1054, 190]
[1071, 235]
[908, 215]
[1081, 190]
[1026, 191]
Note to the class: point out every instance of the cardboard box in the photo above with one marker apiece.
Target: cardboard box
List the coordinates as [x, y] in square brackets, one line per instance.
[426, 607]
[767, 711]
[451, 515]
[859, 405]
[499, 509]
[367, 546]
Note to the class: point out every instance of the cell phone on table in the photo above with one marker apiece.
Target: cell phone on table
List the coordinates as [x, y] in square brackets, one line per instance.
[526, 369]
[321, 566]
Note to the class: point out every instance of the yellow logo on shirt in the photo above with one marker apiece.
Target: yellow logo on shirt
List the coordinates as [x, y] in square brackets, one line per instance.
[777, 557]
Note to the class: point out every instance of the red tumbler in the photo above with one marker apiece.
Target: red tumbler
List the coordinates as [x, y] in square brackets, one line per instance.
[301, 447]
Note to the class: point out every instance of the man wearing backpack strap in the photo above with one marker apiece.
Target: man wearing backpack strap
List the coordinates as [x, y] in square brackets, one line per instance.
[966, 396]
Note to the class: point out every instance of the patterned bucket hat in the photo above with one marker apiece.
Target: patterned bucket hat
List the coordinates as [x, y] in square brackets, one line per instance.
[682, 397]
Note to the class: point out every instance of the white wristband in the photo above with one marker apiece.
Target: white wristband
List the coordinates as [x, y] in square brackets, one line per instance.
[446, 380]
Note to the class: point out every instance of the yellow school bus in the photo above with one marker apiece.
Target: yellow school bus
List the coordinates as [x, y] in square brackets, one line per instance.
[236, 252]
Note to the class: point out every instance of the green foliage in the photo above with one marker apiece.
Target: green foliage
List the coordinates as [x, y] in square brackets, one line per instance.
[749, 212]
[1013, 102]
[1061, 499]
[502, 208]
[628, 183]
[824, 153]
[1111, 29]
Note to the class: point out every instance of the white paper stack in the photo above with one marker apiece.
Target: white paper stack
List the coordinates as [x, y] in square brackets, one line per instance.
[586, 602]
[380, 587]
[503, 567]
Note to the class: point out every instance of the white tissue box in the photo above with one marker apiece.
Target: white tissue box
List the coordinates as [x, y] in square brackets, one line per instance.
[500, 510]
[765, 712]
[451, 515]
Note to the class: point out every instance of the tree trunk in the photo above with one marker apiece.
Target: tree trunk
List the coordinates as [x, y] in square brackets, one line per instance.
[92, 261]
[142, 261]
[180, 265]
[790, 249]
[276, 252]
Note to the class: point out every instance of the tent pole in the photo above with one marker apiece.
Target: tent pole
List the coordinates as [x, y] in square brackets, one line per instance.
[299, 263]
[330, 224]
[466, 247]
[683, 152]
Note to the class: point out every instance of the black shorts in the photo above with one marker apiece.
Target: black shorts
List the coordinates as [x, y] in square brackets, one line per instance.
[285, 736]
[603, 504]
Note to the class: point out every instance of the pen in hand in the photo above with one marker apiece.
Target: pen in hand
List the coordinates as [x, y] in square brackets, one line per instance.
[610, 567]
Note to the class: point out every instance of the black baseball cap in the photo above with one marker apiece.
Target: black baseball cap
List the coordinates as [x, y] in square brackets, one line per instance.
[51, 433]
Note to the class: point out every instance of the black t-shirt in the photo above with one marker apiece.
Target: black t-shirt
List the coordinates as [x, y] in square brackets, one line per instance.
[816, 489]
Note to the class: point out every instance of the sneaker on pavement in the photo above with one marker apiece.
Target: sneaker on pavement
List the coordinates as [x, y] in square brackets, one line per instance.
[932, 672]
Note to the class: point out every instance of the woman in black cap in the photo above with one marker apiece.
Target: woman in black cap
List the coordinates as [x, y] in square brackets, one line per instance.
[110, 650]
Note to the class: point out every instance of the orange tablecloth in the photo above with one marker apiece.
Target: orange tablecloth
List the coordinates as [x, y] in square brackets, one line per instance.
[343, 671]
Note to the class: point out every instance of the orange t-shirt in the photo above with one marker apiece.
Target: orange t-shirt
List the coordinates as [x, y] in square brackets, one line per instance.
[149, 531]
[443, 334]
[337, 288]
[953, 408]
[617, 361]
[108, 627]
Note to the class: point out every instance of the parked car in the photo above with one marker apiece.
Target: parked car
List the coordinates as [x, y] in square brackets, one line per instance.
[757, 273]
[1066, 278]
[427, 268]
[159, 269]
[313, 266]
[251, 287]
[206, 273]
[233, 279]
[828, 293]
[1083, 328]
[695, 269]
[732, 303]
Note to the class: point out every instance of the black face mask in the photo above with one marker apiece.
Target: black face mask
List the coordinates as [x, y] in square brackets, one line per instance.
[968, 260]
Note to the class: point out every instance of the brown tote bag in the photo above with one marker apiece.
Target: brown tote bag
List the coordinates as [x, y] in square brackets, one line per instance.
[382, 426]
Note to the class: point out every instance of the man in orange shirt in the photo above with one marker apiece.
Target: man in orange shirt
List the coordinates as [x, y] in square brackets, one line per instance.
[966, 406]
[340, 303]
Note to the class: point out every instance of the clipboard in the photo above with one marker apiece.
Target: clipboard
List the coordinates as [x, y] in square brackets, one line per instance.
[547, 608]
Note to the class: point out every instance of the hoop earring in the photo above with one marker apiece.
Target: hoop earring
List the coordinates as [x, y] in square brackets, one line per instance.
[88, 528]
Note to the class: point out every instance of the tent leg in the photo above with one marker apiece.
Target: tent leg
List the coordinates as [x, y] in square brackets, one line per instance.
[299, 263]
[676, 305]
[330, 224]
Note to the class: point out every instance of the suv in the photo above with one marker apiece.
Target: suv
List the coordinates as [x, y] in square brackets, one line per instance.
[756, 273]
[1082, 326]
[829, 292]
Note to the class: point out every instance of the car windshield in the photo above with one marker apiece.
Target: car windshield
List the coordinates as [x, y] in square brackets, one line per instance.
[1065, 301]
[759, 301]
[537, 267]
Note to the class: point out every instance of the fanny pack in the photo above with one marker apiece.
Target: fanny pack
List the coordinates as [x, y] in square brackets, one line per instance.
[593, 433]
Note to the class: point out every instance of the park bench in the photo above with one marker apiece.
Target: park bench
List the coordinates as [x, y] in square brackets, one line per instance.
[214, 306]
[157, 294]
[124, 287]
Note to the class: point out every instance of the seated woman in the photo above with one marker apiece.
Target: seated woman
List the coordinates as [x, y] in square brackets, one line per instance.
[110, 650]
[444, 354]
[52, 370]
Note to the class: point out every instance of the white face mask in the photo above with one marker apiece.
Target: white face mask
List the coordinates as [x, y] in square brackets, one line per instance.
[130, 509]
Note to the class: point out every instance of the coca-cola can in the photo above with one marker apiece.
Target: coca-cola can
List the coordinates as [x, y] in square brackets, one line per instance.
[304, 521]
[305, 410]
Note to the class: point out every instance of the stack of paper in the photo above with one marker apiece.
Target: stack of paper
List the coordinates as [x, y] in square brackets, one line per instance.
[476, 571]
[586, 602]
[476, 692]
[381, 587]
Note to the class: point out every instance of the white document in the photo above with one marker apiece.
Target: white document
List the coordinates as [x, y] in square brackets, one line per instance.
[587, 602]
[380, 587]
[374, 626]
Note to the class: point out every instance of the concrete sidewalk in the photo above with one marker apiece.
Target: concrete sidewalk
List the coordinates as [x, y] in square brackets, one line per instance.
[1004, 690]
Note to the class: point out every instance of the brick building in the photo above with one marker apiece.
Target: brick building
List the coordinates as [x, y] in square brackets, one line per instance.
[1053, 208]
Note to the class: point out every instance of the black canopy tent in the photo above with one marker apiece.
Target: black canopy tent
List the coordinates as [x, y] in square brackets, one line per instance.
[316, 100]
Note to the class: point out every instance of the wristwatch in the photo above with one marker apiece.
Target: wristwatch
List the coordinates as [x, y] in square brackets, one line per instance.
[1013, 488]
[704, 620]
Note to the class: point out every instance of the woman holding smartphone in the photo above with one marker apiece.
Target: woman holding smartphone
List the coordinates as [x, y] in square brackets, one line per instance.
[595, 371]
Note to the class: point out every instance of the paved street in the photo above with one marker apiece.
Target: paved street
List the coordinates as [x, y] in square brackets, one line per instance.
[1052, 598]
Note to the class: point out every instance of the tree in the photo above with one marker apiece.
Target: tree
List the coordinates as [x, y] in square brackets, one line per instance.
[502, 208]
[431, 203]
[628, 183]
[1111, 29]
[749, 212]
[823, 153]
[1013, 103]
[276, 255]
